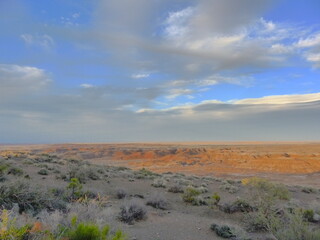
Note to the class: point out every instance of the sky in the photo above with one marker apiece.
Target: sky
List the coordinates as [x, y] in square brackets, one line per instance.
[159, 70]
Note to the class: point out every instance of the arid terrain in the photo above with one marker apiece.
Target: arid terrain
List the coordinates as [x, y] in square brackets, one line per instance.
[193, 191]
[287, 162]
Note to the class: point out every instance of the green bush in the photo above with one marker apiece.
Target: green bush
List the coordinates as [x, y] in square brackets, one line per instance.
[43, 172]
[308, 215]
[216, 198]
[15, 171]
[90, 231]
[76, 188]
[9, 230]
[223, 231]
[294, 227]
[192, 195]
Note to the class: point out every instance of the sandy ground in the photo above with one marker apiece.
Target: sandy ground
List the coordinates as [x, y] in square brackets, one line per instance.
[289, 162]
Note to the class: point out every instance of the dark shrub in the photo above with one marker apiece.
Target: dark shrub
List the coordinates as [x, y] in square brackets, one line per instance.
[121, 193]
[43, 172]
[132, 211]
[237, 206]
[15, 171]
[27, 199]
[223, 231]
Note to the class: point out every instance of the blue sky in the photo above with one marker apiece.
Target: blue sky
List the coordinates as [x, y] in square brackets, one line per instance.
[141, 70]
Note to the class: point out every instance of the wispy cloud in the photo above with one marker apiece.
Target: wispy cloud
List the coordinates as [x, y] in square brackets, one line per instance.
[45, 41]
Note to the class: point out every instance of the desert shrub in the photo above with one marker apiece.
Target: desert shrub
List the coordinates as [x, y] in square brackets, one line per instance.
[240, 205]
[192, 195]
[278, 191]
[223, 231]
[132, 211]
[308, 190]
[183, 182]
[203, 189]
[91, 231]
[158, 201]
[260, 221]
[226, 186]
[76, 188]
[77, 173]
[92, 173]
[121, 193]
[216, 199]
[3, 168]
[308, 215]
[145, 174]
[294, 227]
[9, 230]
[28, 199]
[159, 183]
[43, 171]
[176, 188]
[15, 171]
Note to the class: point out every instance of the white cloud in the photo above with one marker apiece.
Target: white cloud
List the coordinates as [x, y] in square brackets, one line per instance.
[311, 49]
[174, 93]
[21, 80]
[228, 107]
[177, 23]
[140, 75]
[86, 85]
[311, 41]
[45, 41]
[76, 15]
[281, 99]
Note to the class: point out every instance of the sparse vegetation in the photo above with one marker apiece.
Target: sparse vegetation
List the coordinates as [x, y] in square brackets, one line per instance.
[176, 189]
[157, 200]
[159, 183]
[43, 171]
[76, 188]
[26, 198]
[42, 209]
[223, 231]
[121, 193]
[132, 211]
[228, 187]
[216, 199]
[90, 231]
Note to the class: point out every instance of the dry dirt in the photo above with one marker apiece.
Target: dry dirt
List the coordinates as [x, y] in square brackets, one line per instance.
[291, 163]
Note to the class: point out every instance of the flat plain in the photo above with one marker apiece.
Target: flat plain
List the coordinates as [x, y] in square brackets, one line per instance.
[164, 191]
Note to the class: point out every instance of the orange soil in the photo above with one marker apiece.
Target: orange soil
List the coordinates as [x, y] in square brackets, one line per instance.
[195, 158]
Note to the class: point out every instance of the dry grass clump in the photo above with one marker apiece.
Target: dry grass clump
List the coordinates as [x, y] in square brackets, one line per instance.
[240, 205]
[275, 190]
[228, 187]
[176, 188]
[157, 200]
[27, 198]
[159, 183]
[132, 211]
[121, 193]
[145, 174]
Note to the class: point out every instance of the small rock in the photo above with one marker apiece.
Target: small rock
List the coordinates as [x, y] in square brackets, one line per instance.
[316, 217]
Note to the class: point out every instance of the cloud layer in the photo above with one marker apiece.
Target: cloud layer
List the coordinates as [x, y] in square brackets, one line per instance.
[153, 70]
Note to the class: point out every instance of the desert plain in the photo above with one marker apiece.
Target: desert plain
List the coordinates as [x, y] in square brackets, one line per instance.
[163, 191]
